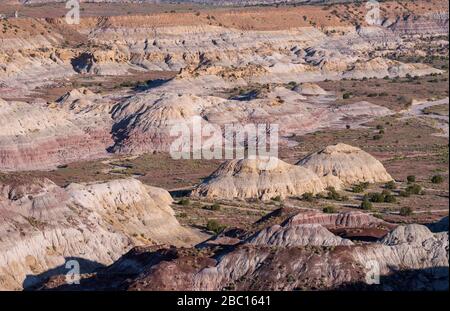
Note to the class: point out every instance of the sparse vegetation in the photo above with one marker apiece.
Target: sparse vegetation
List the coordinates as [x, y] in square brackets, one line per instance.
[437, 179]
[214, 226]
[329, 209]
[406, 211]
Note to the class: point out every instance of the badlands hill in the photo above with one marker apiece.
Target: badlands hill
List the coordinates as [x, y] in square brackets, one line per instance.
[306, 255]
[42, 225]
[243, 65]
[261, 178]
[343, 165]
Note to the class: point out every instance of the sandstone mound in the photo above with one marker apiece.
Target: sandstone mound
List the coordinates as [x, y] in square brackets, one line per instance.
[310, 89]
[262, 178]
[345, 164]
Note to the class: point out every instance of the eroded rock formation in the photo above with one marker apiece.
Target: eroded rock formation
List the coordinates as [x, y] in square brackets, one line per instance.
[42, 225]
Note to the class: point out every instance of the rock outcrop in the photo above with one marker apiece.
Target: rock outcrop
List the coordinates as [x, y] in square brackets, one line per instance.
[41, 136]
[346, 165]
[42, 225]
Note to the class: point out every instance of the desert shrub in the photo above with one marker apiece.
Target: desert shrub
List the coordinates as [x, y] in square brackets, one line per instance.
[437, 179]
[361, 187]
[213, 207]
[184, 202]
[346, 95]
[308, 196]
[386, 192]
[366, 205]
[380, 127]
[214, 226]
[334, 195]
[390, 199]
[329, 209]
[404, 194]
[375, 197]
[406, 211]
[411, 178]
[277, 198]
[390, 185]
[414, 189]
[377, 137]
[183, 215]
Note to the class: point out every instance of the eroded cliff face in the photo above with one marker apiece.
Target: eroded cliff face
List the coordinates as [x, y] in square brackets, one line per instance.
[43, 226]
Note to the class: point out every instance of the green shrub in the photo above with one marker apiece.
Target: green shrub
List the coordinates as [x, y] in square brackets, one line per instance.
[406, 211]
[411, 178]
[390, 185]
[214, 226]
[437, 179]
[360, 187]
[277, 198]
[390, 199]
[329, 209]
[346, 95]
[386, 192]
[404, 194]
[375, 197]
[213, 207]
[334, 195]
[366, 205]
[184, 202]
[377, 137]
[308, 196]
[414, 189]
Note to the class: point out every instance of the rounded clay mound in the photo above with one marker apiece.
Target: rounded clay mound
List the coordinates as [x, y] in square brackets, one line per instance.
[345, 164]
[261, 178]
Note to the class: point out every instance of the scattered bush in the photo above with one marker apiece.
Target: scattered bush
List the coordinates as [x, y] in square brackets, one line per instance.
[404, 194]
[213, 207]
[414, 189]
[277, 198]
[390, 185]
[215, 226]
[329, 209]
[308, 196]
[361, 187]
[346, 95]
[377, 137]
[334, 195]
[411, 178]
[184, 202]
[390, 199]
[437, 179]
[366, 205]
[406, 211]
